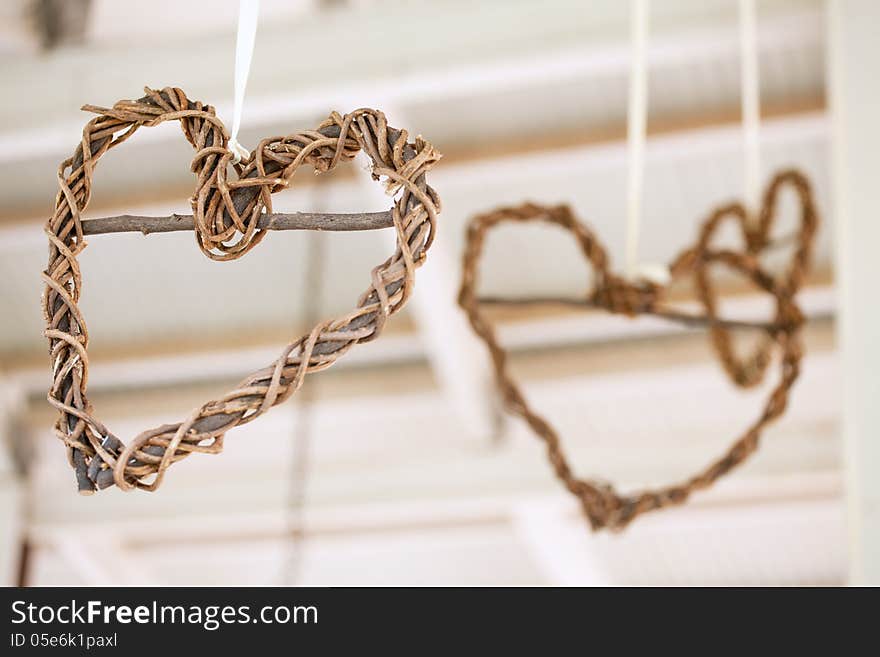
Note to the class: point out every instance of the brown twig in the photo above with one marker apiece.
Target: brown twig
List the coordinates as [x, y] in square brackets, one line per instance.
[673, 315]
[131, 223]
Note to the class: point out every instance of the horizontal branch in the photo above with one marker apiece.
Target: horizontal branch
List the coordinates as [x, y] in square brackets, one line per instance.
[672, 315]
[130, 223]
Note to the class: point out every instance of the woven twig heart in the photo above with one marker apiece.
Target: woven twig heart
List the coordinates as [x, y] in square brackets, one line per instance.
[603, 506]
[226, 214]
[756, 235]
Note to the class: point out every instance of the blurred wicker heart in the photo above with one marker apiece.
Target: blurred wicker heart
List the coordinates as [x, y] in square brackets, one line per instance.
[602, 505]
[226, 213]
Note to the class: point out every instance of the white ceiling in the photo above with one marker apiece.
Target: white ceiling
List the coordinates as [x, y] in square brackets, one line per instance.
[529, 104]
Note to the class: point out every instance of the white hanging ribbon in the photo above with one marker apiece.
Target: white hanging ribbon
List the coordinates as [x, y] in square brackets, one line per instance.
[248, 11]
[751, 104]
[636, 129]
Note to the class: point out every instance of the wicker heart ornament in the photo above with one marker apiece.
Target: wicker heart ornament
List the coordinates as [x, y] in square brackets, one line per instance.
[602, 505]
[226, 219]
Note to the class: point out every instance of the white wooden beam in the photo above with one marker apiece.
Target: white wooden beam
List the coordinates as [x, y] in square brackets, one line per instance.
[11, 528]
[402, 514]
[268, 105]
[710, 142]
[100, 559]
[560, 546]
[11, 492]
[587, 328]
[855, 105]
[458, 360]
[778, 540]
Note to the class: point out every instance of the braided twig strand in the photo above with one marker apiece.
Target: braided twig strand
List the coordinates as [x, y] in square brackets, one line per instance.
[226, 214]
[601, 503]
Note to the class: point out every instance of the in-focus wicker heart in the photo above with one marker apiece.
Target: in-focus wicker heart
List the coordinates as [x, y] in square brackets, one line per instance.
[226, 214]
[603, 506]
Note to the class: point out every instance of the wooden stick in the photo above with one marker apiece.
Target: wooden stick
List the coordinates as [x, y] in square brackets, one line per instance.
[672, 315]
[130, 223]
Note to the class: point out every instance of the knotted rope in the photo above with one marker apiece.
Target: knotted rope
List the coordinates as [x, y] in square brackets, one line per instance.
[601, 503]
[226, 215]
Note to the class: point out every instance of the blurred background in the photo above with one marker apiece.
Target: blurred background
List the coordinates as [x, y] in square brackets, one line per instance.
[398, 466]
